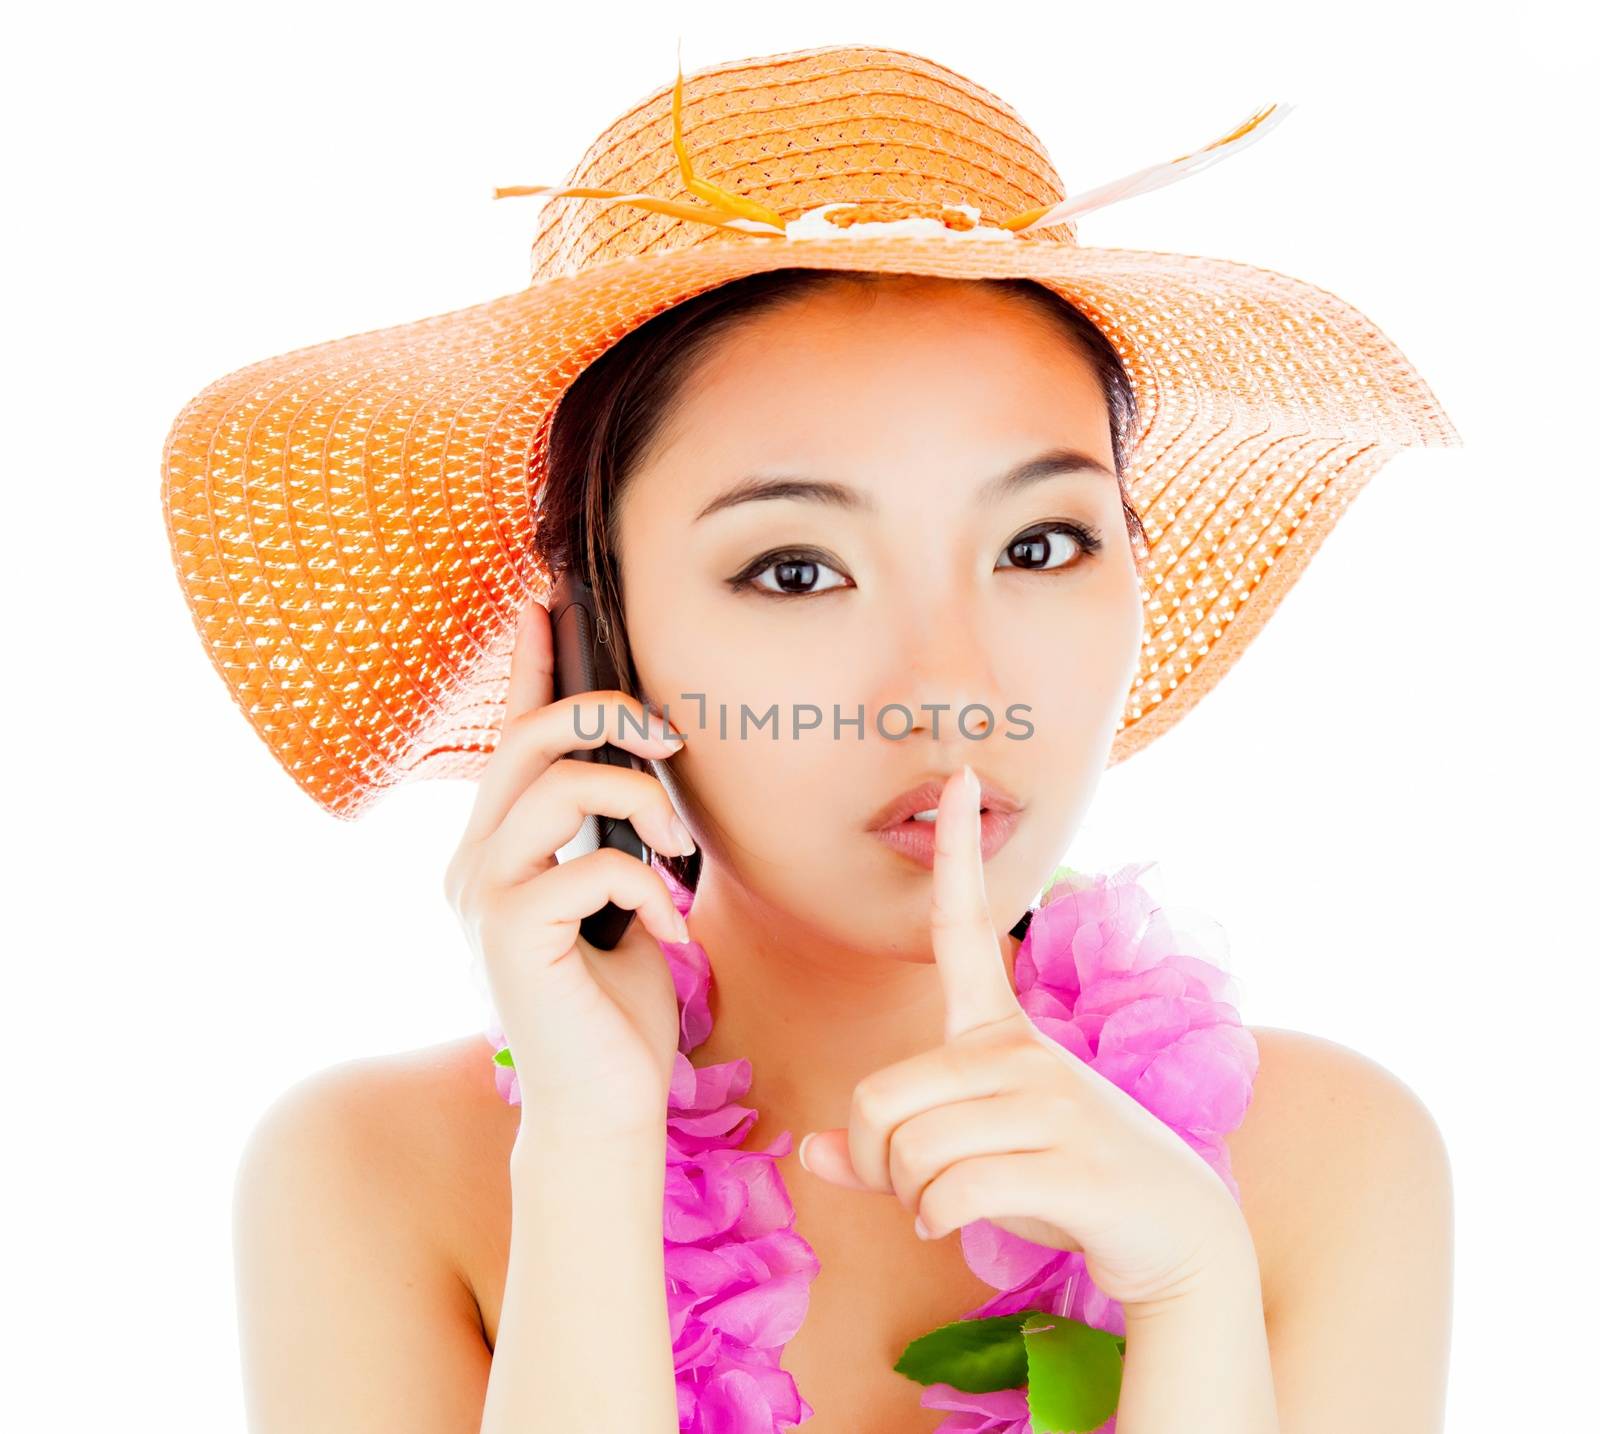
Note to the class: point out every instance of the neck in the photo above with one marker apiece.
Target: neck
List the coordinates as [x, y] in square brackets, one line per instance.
[812, 1015]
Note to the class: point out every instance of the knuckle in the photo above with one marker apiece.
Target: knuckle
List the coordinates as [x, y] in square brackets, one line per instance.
[522, 726]
[908, 1153]
[981, 1051]
[614, 863]
[933, 1207]
[565, 770]
[867, 1105]
[572, 771]
[600, 710]
[1029, 1054]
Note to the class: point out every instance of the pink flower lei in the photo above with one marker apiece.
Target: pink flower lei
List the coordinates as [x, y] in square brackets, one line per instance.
[1106, 973]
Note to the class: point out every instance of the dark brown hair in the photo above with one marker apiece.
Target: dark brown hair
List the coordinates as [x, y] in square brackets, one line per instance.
[613, 411]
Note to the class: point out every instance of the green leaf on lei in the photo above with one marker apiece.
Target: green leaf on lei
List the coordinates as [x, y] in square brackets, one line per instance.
[978, 1355]
[502, 1057]
[1071, 1371]
[1074, 1374]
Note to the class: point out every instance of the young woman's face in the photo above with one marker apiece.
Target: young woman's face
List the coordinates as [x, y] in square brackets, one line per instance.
[910, 581]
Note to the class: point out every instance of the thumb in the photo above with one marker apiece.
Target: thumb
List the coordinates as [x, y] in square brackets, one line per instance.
[826, 1154]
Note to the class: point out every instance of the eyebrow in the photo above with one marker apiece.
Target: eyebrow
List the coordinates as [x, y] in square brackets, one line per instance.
[1050, 464]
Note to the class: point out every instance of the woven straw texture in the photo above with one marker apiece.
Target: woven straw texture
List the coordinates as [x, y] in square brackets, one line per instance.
[351, 523]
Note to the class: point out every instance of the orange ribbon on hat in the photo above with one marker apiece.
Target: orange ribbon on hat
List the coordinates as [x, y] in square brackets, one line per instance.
[728, 210]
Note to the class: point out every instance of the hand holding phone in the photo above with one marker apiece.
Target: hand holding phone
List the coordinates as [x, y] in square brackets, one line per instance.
[585, 661]
[593, 1031]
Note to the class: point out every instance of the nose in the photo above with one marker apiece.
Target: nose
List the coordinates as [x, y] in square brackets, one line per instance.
[940, 686]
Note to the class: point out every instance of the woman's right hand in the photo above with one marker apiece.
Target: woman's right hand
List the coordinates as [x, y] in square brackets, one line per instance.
[592, 1033]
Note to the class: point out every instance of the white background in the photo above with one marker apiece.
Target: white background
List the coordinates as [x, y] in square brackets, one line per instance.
[1383, 804]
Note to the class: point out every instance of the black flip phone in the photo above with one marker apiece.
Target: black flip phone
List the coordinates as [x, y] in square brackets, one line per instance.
[585, 663]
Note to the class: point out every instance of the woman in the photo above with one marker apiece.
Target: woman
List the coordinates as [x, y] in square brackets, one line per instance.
[790, 490]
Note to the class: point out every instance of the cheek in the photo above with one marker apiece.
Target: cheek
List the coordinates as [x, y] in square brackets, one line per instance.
[1076, 682]
[771, 811]
[1080, 673]
[736, 704]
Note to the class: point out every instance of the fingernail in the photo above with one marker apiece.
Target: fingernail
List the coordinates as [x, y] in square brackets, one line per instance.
[803, 1143]
[681, 832]
[971, 779]
[659, 727]
[921, 1229]
[683, 928]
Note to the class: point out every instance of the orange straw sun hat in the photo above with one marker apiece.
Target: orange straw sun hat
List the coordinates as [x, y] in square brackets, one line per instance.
[352, 523]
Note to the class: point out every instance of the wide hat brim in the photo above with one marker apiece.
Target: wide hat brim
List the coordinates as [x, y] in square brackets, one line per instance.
[352, 523]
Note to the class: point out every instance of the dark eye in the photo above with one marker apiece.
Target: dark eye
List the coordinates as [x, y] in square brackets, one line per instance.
[796, 573]
[1034, 550]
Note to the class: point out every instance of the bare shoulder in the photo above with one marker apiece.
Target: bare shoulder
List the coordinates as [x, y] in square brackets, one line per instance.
[1328, 1132]
[417, 1141]
[357, 1199]
[421, 1120]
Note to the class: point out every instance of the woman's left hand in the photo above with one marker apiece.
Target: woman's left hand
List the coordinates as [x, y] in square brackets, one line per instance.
[1000, 1123]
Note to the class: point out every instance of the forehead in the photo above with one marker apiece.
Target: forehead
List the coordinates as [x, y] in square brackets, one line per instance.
[908, 367]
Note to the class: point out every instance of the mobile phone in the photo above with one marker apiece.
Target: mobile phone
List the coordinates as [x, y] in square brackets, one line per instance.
[586, 663]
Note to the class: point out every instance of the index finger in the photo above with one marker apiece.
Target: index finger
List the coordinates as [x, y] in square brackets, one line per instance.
[977, 991]
[532, 669]
[532, 685]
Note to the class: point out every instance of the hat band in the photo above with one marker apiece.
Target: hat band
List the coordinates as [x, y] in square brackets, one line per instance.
[844, 220]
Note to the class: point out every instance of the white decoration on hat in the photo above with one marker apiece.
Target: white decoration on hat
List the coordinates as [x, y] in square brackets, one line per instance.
[814, 225]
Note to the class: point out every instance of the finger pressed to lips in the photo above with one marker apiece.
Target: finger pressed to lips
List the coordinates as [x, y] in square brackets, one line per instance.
[977, 989]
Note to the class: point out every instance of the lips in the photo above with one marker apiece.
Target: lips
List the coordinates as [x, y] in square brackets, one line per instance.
[925, 797]
[914, 839]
